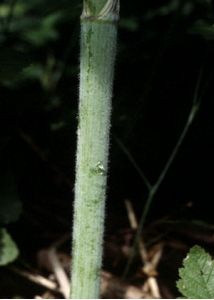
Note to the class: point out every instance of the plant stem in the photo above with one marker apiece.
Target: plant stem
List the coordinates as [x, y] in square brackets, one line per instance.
[154, 187]
[134, 163]
[98, 48]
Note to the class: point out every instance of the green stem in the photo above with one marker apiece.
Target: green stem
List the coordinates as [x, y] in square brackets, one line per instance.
[155, 187]
[98, 48]
[134, 163]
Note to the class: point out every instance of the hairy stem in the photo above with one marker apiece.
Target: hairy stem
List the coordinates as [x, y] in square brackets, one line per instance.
[98, 48]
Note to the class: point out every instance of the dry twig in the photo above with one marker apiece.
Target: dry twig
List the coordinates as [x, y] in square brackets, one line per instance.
[149, 266]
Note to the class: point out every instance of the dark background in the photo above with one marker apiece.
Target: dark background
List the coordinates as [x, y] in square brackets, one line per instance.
[163, 46]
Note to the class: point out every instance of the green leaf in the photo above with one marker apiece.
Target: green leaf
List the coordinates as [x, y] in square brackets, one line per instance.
[8, 249]
[197, 275]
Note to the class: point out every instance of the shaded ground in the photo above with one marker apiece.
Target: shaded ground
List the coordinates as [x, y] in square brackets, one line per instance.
[42, 271]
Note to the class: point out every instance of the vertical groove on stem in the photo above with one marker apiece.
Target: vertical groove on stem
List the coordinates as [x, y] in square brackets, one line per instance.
[98, 48]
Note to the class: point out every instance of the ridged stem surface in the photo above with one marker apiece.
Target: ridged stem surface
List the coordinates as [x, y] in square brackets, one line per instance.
[97, 56]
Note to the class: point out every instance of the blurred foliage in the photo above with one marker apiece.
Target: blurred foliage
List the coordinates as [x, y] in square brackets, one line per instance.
[10, 210]
[10, 205]
[204, 29]
[8, 249]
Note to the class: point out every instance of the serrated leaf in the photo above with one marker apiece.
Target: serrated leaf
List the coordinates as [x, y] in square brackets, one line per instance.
[197, 275]
[8, 249]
